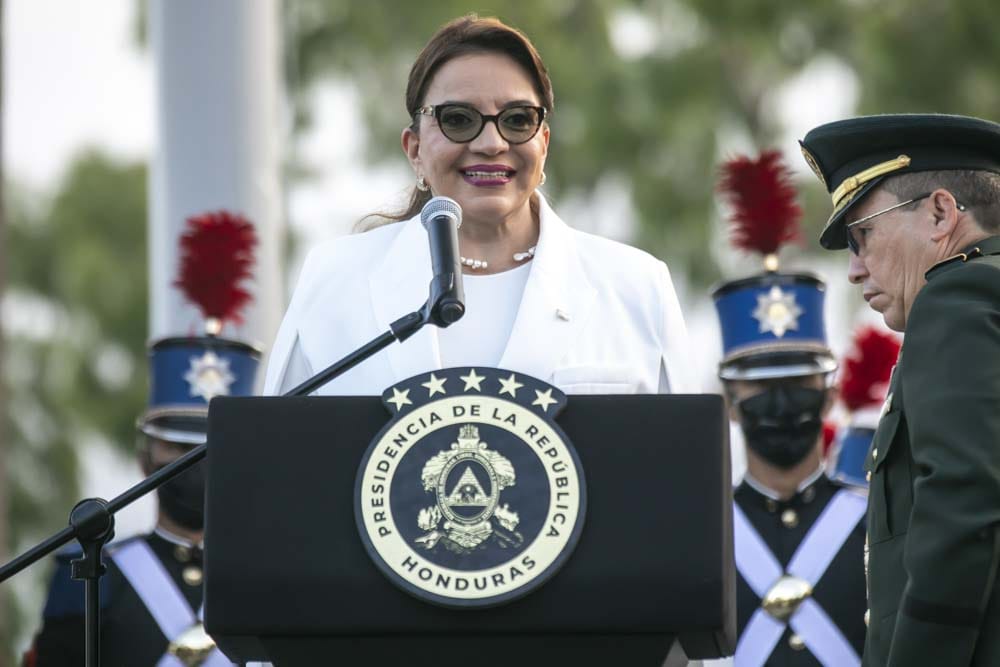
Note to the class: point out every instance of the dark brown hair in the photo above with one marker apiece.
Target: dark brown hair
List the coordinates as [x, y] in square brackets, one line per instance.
[462, 36]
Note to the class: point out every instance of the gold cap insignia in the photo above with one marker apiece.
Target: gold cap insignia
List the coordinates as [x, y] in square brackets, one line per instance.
[811, 161]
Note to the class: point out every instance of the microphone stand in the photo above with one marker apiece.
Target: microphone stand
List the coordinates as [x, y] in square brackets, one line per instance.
[92, 521]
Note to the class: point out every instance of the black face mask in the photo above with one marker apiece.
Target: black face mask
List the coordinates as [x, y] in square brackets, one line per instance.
[183, 498]
[782, 423]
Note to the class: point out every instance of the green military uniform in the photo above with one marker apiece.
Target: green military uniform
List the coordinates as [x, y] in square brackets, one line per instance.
[934, 464]
[934, 503]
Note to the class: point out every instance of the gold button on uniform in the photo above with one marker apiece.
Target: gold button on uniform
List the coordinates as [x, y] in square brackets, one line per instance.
[868, 477]
[182, 553]
[782, 600]
[796, 642]
[192, 575]
[192, 647]
[771, 505]
[809, 495]
[875, 454]
[789, 518]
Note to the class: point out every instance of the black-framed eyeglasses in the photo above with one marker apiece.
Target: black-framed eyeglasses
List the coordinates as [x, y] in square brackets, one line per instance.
[855, 235]
[462, 123]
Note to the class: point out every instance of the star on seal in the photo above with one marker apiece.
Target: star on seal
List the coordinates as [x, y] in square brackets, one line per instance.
[777, 312]
[544, 399]
[510, 386]
[435, 385]
[209, 376]
[400, 398]
[472, 381]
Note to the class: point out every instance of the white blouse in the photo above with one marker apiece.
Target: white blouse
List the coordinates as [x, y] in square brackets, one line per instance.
[491, 302]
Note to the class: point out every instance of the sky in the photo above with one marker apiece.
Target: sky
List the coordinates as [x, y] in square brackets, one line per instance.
[73, 76]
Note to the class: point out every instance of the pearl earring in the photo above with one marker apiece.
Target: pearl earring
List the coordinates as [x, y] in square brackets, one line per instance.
[422, 184]
[541, 181]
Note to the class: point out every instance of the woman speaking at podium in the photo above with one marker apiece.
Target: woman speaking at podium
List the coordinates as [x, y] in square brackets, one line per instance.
[586, 314]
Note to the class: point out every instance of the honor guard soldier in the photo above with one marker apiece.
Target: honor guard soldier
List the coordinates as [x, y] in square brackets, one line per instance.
[916, 199]
[864, 381]
[151, 593]
[799, 536]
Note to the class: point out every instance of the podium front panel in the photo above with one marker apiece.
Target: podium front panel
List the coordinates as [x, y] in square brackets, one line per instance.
[283, 557]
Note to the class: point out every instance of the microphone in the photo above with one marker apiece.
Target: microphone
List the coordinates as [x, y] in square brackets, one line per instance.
[441, 217]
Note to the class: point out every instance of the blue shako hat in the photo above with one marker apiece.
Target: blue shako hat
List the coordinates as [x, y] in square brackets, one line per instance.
[772, 326]
[772, 323]
[186, 372]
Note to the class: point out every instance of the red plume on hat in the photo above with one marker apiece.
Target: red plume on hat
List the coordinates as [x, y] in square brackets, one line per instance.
[829, 435]
[765, 215]
[217, 255]
[868, 368]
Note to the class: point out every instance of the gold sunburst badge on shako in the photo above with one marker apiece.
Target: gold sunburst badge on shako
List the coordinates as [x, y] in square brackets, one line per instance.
[777, 311]
[209, 376]
[471, 495]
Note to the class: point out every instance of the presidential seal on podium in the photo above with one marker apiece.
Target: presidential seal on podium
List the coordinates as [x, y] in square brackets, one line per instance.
[471, 495]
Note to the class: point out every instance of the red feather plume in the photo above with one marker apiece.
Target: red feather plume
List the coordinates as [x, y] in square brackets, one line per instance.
[868, 368]
[829, 434]
[217, 254]
[764, 214]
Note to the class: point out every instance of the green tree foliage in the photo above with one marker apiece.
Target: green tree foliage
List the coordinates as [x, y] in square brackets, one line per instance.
[660, 116]
[927, 56]
[75, 326]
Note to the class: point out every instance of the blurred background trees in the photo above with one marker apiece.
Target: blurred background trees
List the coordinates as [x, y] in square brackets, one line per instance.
[74, 317]
[650, 96]
[653, 93]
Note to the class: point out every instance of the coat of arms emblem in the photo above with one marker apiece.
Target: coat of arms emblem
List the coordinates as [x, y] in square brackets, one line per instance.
[471, 495]
[467, 511]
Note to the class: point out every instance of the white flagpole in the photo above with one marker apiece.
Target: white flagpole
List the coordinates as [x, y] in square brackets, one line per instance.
[220, 129]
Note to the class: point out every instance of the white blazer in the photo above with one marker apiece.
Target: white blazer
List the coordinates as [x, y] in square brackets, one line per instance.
[596, 316]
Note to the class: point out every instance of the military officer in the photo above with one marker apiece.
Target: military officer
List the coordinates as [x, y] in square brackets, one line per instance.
[799, 536]
[917, 201]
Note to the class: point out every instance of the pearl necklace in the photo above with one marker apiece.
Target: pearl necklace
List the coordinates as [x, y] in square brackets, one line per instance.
[483, 264]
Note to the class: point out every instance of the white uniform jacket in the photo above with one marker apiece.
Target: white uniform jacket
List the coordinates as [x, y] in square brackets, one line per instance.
[596, 317]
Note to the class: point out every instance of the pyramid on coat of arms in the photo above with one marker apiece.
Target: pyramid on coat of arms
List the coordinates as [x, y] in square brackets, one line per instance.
[467, 492]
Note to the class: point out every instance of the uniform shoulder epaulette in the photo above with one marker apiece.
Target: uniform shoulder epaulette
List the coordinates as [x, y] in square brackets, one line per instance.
[952, 262]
